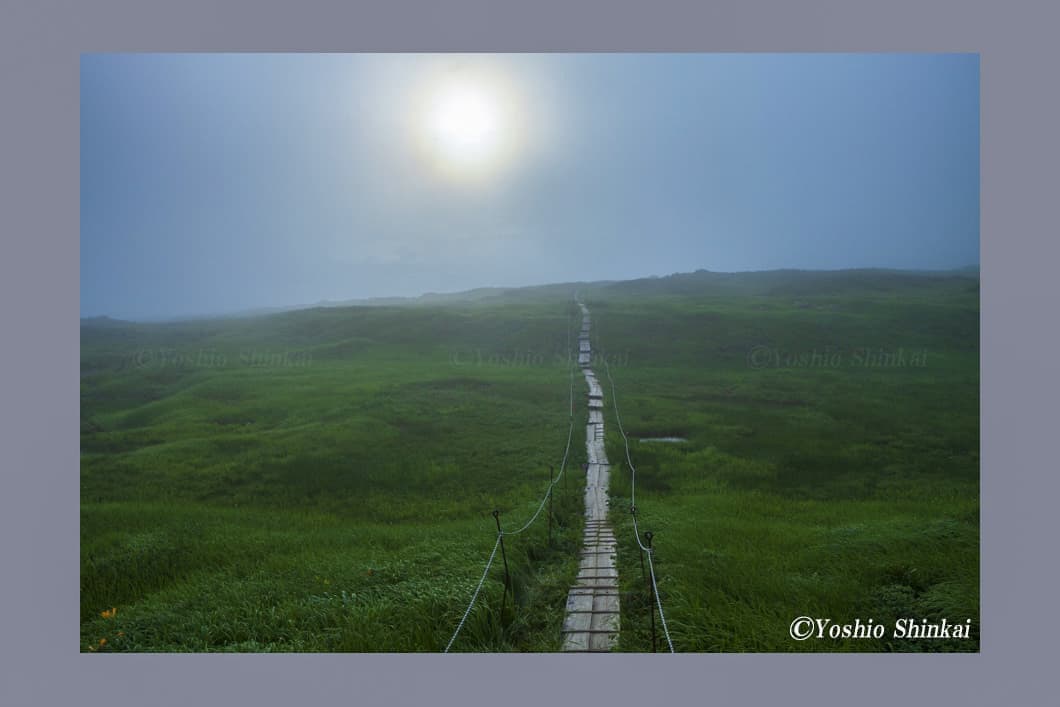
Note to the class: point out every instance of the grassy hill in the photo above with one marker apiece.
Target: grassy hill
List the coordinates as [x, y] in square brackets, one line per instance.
[322, 479]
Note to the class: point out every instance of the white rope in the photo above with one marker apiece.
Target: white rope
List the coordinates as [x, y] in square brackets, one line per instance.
[562, 468]
[474, 596]
[633, 505]
[632, 469]
[552, 484]
[636, 532]
[655, 587]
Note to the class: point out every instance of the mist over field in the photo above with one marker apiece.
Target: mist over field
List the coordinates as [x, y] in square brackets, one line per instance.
[401, 353]
[224, 183]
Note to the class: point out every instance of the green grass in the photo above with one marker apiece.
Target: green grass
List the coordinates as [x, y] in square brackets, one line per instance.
[343, 504]
[322, 480]
[839, 490]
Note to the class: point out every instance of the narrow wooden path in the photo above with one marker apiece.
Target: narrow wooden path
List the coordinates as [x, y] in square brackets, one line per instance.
[591, 622]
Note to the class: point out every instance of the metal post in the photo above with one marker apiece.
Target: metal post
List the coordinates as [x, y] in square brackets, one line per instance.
[551, 470]
[500, 533]
[648, 536]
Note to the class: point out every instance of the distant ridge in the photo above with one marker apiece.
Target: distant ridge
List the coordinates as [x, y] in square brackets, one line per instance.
[104, 321]
[703, 282]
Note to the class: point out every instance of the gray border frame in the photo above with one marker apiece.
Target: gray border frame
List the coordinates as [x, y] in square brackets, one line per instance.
[39, 275]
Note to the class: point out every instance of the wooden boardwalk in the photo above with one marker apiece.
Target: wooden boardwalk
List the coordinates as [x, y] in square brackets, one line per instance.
[592, 617]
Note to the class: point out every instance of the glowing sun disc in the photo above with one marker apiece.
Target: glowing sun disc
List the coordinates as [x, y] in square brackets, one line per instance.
[467, 125]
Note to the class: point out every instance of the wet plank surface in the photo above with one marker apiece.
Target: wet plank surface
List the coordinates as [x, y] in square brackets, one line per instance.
[591, 621]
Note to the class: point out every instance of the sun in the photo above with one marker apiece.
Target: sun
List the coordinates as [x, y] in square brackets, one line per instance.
[465, 123]
[468, 123]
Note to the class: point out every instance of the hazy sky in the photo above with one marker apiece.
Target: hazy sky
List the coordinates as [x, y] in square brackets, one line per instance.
[216, 183]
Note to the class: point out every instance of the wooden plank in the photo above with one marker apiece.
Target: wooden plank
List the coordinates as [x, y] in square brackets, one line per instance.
[592, 615]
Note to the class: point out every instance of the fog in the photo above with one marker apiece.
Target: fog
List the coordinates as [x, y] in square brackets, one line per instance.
[219, 183]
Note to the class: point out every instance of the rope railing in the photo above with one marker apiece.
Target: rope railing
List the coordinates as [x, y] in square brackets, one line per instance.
[537, 513]
[474, 596]
[658, 601]
[566, 454]
[618, 418]
[552, 484]
[646, 549]
[633, 505]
